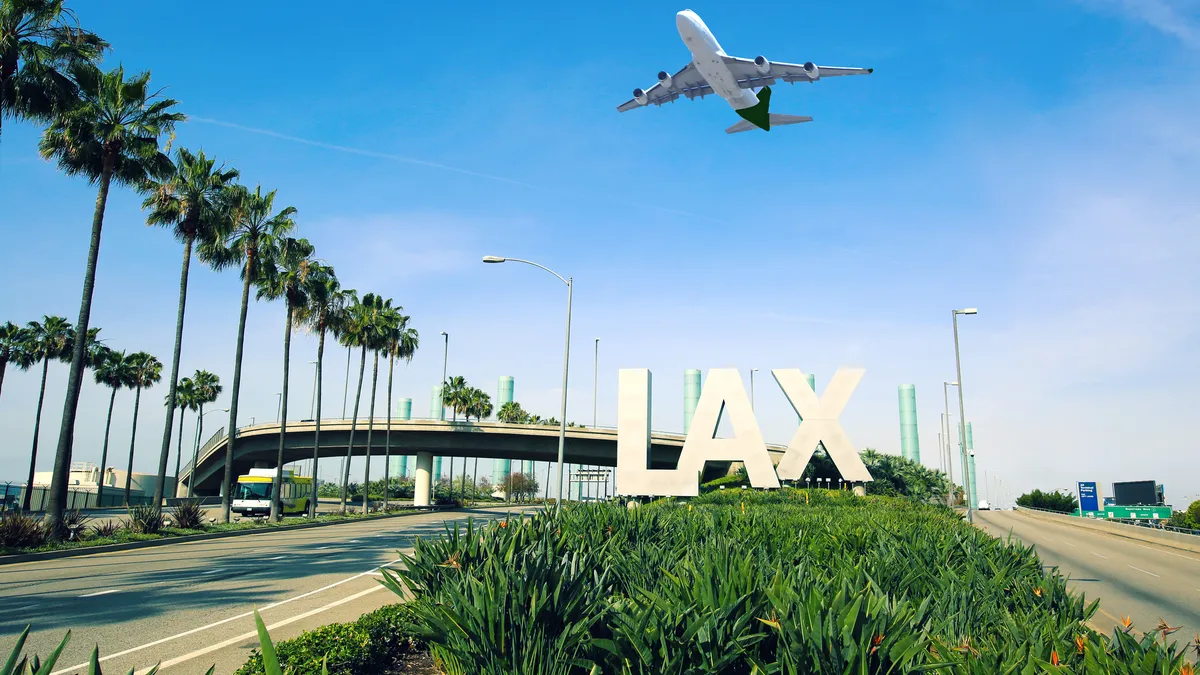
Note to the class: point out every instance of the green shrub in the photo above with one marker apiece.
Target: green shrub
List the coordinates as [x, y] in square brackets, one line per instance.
[1050, 501]
[787, 581]
[18, 529]
[144, 519]
[370, 645]
[188, 515]
[108, 528]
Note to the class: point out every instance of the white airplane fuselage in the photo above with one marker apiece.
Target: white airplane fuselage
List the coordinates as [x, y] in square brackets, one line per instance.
[706, 56]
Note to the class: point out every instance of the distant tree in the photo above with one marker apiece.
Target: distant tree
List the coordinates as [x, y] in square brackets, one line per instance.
[521, 485]
[401, 342]
[512, 413]
[898, 476]
[208, 388]
[1050, 501]
[185, 395]
[11, 338]
[146, 371]
[48, 340]
[114, 370]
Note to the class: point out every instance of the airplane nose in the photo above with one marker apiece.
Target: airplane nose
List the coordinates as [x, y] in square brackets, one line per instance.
[686, 21]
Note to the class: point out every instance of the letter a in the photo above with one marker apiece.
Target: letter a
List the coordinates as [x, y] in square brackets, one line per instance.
[724, 393]
[819, 424]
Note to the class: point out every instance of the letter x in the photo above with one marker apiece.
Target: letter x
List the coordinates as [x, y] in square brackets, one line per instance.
[819, 424]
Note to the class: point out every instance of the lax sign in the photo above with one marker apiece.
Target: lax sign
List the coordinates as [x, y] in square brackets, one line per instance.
[724, 393]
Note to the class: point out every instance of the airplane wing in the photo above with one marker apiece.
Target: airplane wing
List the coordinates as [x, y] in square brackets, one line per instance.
[749, 76]
[688, 82]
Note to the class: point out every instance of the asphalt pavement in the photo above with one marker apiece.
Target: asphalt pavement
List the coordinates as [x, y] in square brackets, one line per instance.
[188, 605]
[1145, 582]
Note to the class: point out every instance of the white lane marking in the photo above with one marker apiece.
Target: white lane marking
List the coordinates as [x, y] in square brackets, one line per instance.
[214, 571]
[1099, 556]
[352, 541]
[1068, 543]
[246, 636]
[23, 607]
[92, 595]
[322, 548]
[214, 624]
[278, 557]
[1142, 570]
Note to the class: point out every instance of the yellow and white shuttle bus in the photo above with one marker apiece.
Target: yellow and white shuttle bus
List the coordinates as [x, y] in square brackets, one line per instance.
[252, 496]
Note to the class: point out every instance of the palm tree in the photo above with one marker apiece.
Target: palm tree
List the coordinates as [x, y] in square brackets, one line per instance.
[402, 342]
[453, 390]
[43, 343]
[361, 329]
[11, 338]
[184, 399]
[381, 319]
[326, 305]
[192, 202]
[512, 413]
[286, 274]
[208, 388]
[109, 134]
[253, 227]
[145, 371]
[479, 404]
[38, 38]
[114, 370]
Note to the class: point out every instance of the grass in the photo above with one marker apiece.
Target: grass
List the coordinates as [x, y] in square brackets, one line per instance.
[125, 535]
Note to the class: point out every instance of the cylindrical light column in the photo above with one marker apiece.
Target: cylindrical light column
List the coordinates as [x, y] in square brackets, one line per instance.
[504, 394]
[691, 396]
[910, 447]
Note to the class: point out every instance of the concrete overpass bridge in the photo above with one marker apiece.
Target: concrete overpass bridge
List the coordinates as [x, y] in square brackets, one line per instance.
[258, 445]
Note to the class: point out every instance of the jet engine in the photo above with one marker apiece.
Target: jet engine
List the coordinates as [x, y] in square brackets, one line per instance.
[639, 95]
[664, 79]
[762, 65]
[811, 69]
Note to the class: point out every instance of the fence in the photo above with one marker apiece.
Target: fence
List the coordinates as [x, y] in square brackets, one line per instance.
[13, 496]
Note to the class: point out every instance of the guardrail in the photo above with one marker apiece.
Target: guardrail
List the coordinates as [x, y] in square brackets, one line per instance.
[1148, 524]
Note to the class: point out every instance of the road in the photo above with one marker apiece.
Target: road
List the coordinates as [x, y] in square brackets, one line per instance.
[1145, 582]
[188, 605]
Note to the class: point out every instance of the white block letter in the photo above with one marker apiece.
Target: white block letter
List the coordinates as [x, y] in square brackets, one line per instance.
[819, 424]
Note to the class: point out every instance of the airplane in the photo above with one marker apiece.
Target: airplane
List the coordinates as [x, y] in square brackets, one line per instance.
[730, 77]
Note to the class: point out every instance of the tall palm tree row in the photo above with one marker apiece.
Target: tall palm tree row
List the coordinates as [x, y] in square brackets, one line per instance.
[454, 391]
[115, 370]
[324, 313]
[110, 133]
[12, 337]
[44, 341]
[192, 202]
[207, 389]
[39, 39]
[255, 227]
[146, 370]
[289, 275]
[402, 342]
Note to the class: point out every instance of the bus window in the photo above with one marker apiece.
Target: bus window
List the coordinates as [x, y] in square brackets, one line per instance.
[253, 491]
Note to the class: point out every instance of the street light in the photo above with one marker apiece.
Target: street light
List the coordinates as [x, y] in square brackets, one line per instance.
[562, 432]
[313, 406]
[278, 405]
[962, 416]
[946, 452]
[595, 398]
[752, 372]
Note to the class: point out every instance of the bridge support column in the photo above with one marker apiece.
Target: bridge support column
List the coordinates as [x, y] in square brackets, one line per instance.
[421, 491]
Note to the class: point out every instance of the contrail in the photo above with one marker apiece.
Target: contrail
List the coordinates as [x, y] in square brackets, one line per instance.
[435, 165]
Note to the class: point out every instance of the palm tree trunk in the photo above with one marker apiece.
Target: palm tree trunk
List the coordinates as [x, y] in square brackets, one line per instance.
[165, 454]
[312, 505]
[137, 402]
[277, 495]
[231, 434]
[178, 454]
[195, 449]
[475, 476]
[370, 428]
[387, 443]
[362, 365]
[66, 434]
[37, 429]
[3, 367]
[104, 453]
[547, 497]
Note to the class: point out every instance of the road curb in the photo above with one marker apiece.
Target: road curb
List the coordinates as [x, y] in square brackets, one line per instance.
[108, 548]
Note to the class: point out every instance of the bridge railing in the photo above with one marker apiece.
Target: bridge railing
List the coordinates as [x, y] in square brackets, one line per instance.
[1148, 524]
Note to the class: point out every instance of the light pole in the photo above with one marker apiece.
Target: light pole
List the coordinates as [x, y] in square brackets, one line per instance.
[595, 395]
[562, 431]
[278, 405]
[962, 415]
[752, 372]
[312, 407]
[195, 450]
[946, 417]
[442, 386]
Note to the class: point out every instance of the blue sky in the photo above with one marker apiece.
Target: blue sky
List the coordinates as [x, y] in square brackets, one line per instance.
[1037, 160]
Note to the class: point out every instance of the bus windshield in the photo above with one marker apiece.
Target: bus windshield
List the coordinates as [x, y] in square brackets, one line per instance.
[253, 491]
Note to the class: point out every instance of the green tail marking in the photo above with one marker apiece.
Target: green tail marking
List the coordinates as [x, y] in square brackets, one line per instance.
[759, 115]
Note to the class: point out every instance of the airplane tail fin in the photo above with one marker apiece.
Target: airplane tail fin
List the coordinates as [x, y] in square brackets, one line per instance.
[774, 120]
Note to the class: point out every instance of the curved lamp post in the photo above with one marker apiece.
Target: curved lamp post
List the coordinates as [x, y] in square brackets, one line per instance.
[562, 431]
[962, 417]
